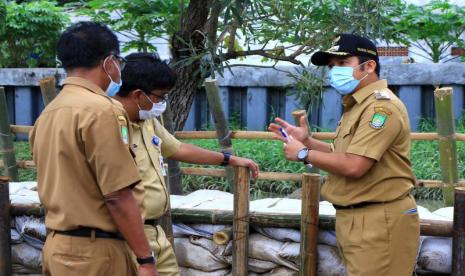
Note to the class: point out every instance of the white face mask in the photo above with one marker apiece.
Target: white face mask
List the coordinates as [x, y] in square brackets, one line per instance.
[113, 87]
[156, 110]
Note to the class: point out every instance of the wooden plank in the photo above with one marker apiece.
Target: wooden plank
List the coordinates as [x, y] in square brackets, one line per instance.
[241, 222]
[5, 234]
[458, 237]
[309, 224]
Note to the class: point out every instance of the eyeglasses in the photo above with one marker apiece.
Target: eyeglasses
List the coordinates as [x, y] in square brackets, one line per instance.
[163, 99]
[122, 61]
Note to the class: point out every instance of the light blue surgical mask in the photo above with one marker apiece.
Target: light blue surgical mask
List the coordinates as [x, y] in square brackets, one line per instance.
[342, 79]
[113, 87]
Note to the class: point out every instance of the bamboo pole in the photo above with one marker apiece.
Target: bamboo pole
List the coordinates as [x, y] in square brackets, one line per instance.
[447, 145]
[221, 125]
[458, 237]
[223, 237]
[309, 224]
[265, 219]
[5, 234]
[48, 89]
[7, 149]
[241, 222]
[262, 135]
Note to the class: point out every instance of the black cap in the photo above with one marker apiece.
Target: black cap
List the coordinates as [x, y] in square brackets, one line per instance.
[346, 45]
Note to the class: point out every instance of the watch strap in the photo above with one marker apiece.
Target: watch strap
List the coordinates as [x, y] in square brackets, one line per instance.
[147, 260]
[226, 158]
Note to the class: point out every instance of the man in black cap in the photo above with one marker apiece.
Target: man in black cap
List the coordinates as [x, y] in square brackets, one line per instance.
[370, 175]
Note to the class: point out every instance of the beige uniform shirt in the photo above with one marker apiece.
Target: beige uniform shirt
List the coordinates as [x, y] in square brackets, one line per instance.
[152, 142]
[80, 144]
[375, 124]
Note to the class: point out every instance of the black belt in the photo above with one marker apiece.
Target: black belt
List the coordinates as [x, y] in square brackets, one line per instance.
[152, 222]
[87, 232]
[354, 206]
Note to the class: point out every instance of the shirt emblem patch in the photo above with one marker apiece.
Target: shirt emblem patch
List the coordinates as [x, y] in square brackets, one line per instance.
[378, 120]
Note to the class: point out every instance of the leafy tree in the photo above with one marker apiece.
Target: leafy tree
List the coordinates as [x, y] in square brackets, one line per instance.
[139, 21]
[30, 34]
[432, 28]
[205, 35]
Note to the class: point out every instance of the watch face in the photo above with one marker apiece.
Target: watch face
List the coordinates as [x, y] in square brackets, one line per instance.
[302, 154]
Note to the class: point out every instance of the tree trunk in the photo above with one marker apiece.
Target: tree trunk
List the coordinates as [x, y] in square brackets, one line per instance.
[191, 36]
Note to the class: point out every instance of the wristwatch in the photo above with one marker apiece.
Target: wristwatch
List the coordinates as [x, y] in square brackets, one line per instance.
[302, 156]
[147, 260]
[226, 158]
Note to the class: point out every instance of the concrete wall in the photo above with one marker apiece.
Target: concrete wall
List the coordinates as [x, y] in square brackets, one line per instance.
[255, 95]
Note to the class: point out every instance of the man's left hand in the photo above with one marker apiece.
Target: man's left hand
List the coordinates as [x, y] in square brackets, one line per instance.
[244, 162]
[291, 148]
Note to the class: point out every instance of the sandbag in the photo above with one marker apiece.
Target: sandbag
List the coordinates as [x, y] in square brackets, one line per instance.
[330, 262]
[15, 236]
[291, 252]
[256, 266]
[266, 249]
[181, 230]
[27, 257]
[280, 234]
[283, 271]
[435, 255]
[32, 229]
[216, 250]
[194, 256]
[187, 271]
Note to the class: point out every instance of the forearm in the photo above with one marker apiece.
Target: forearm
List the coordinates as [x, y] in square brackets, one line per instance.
[314, 144]
[342, 164]
[127, 217]
[195, 155]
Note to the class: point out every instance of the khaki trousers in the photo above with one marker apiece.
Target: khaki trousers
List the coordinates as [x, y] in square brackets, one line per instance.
[379, 239]
[167, 264]
[69, 256]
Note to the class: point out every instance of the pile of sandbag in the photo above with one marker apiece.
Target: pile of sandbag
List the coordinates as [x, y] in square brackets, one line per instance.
[272, 251]
[204, 249]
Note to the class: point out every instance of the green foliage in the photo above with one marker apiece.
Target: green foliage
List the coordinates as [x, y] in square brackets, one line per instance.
[139, 21]
[31, 31]
[432, 27]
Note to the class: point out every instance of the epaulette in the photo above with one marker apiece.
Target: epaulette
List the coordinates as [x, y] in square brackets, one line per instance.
[382, 95]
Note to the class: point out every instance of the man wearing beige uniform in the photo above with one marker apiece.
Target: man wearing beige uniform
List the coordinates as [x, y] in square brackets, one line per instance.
[370, 174]
[85, 170]
[146, 84]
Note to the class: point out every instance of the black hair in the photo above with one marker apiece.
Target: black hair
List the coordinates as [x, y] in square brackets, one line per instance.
[85, 44]
[147, 72]
[362, 59]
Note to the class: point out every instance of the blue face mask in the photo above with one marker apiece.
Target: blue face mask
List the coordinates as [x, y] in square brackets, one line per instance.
[113, 87]
[342, 79]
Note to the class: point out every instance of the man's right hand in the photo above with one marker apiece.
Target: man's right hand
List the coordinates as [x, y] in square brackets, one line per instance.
[148, 270]
[301, 133]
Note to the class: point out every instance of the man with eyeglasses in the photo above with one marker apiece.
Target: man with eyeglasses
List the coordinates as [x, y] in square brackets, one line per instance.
[146, 83]
[87, 177]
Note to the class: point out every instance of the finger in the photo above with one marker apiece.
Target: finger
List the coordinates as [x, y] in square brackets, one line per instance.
[281, 138]
[303, 121]
[282, 122]
[274, 126]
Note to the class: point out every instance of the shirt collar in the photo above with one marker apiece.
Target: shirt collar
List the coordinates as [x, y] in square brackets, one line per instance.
[87, 84]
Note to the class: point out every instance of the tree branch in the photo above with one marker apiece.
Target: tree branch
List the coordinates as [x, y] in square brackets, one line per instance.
[263, 53]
